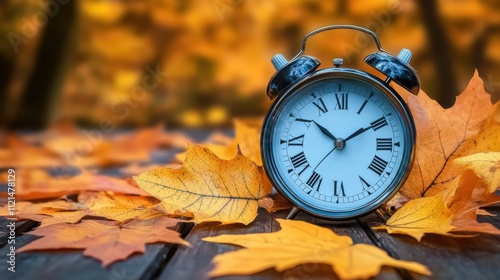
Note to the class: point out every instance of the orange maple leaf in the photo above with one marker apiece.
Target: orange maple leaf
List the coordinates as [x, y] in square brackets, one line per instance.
[111, 206]
[38, 184]
[17, 152]
[445, 134]
[470, 194]
[485, 165]
[63, 147]
[106, 241]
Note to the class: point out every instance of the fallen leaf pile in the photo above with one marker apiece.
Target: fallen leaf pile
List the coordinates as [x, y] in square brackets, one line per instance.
[79, 206]
[454, 177]
[63, 147]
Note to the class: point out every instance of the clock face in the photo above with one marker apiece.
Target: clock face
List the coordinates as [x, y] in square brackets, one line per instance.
[338, 147]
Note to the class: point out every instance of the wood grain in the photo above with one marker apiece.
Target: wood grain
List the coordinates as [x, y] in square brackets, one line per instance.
[195, 262]
[71, 264]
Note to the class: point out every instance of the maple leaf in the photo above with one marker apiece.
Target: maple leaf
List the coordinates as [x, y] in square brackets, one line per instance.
[469, 195]
[51, 217]
[38, 184]
[70, 212]
[486, 166]
[298, 243]
[420, 216]
[103, 152]
[106, 241]
[210, 188]
[450, 211]
[116, 207]
[484, 212]
[71, 147]
[445, 134]
[17, 152]
[246, 141]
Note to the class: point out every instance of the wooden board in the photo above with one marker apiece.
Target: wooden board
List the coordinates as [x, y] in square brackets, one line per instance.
[71, 264]
[448, 258]
[476, 257]
[195, 262]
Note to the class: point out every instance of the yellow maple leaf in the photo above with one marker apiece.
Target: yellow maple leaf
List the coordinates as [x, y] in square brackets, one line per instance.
[420, 216]
[486, 166]
[210, 188]
[298, 243]
[445, 134]
[452, 211]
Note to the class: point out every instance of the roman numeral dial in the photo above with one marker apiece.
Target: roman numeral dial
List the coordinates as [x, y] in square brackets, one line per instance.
[299, 162]
[338, 188]
[315, 181]
[378, 165]
[338, 146]
[296, 141]
[379, 123]
[342, 101]
[384, 144]
[320, 104]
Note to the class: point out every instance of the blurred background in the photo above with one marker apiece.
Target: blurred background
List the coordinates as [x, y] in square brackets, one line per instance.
[200, 63]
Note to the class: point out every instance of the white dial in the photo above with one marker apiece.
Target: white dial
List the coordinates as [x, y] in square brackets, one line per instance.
[339, 145]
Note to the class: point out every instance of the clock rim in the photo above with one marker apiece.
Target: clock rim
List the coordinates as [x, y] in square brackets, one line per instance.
[269, 125]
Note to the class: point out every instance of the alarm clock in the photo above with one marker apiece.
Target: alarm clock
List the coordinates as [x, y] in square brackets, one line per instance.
[339, 142]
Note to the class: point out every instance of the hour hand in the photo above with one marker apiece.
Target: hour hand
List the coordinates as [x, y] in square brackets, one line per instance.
[325, 131]
[357, 132]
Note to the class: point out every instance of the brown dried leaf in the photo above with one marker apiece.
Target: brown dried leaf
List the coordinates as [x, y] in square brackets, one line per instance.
[106, 241]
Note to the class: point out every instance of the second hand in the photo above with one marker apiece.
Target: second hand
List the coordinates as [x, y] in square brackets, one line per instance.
[324, 158]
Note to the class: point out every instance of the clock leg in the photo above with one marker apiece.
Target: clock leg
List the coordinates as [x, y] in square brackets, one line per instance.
[381, 215]
[293, 213]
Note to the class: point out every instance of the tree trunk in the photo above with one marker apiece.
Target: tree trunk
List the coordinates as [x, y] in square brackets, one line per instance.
[43, 88]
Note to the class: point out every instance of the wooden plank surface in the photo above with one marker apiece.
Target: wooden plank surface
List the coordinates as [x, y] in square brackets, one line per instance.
[448, 258]
[476, 257]
[195, 262]
[71, 264]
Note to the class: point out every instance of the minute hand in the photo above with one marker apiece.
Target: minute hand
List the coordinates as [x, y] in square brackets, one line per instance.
[357, 132]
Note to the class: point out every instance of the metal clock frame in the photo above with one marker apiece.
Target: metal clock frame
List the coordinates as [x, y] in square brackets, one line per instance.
[337, 73]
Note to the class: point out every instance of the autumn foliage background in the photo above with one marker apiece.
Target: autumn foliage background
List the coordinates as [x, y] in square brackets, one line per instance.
[99, 99]
[196, 64]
